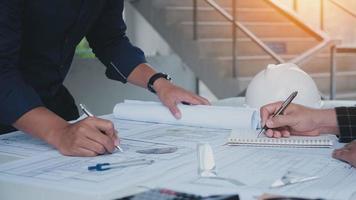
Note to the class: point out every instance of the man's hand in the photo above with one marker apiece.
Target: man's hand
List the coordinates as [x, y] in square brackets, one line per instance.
[347, 153]
[88, 137]
[171, 95]
[297, 120]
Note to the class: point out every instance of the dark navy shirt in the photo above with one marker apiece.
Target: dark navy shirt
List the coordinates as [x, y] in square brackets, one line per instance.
[37, 44]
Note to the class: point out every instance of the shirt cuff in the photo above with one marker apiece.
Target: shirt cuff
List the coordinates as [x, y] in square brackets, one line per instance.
[346, 117]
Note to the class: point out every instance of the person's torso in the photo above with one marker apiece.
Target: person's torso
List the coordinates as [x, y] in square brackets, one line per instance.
[50, 32]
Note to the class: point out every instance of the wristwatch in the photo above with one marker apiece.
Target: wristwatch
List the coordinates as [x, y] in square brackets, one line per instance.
[153, 78]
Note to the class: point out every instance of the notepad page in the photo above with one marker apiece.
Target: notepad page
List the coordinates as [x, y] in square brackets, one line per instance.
[249, 137]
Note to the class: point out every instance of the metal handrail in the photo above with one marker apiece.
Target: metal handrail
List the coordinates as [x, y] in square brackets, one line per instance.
[334, 50]
[244, 29]
[325, 40]
[313, 51]
[346, 10]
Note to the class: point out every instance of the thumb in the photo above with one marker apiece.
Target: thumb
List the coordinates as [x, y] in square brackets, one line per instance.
[280, 121]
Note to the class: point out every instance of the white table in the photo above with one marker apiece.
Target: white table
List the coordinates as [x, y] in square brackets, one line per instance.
[23, 190]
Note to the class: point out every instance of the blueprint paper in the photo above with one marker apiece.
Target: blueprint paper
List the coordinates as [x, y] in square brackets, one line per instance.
[54, 172]
[22, 145]
[259, 168]
[256, 168]
[192, 115]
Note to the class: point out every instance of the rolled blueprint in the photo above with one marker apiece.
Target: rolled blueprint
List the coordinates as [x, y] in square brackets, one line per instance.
[192, 115]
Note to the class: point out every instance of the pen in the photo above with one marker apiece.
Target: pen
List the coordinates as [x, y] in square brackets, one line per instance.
[89, 114]
[285, 181]
[107, 166]
[281, 109]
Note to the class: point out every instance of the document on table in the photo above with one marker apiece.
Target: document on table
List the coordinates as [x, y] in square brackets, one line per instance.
[66, 173]
[22, 145]
[258, 168]
[54, 171]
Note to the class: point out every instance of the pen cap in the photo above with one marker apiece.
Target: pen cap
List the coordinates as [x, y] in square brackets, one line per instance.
[277, 82]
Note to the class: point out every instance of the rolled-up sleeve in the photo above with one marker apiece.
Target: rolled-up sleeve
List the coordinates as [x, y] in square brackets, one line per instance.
[346, 118]
[16, 97]
[111, 45]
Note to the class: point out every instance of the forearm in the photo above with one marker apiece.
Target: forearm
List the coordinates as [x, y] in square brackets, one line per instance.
[42, 123]
[141, 75]
[326, 121]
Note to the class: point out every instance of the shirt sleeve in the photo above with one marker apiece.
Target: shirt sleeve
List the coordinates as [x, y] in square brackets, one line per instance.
[346, 118]
[111, 45]
[16, 97]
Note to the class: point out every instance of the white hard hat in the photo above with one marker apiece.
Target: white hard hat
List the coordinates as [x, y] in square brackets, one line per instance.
[277, 82]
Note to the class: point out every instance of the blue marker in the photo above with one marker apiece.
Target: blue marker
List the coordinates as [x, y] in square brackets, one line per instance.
[107, 166]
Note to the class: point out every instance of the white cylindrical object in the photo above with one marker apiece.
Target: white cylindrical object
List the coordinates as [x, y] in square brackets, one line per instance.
[192, 115]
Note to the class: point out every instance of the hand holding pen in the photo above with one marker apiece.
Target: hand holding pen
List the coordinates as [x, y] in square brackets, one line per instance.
[265, 112]
[89, 114]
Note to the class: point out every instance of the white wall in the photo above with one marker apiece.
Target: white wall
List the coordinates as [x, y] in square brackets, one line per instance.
[142, 34]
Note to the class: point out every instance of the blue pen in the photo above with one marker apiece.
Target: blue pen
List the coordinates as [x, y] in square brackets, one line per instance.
[107, 166]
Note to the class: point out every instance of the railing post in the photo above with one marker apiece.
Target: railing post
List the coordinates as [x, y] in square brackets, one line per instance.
[197, 86]
[295, 5]
[195, 19]
[332, 72]
[322, 15]
[234, 37]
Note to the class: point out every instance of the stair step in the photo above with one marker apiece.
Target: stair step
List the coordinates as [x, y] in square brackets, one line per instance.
[185, 13]
[321, 63]
[223, 3]
[215, 29]
[245, 46]
[251, 65]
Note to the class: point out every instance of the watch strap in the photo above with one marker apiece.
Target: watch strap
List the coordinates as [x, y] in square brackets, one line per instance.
[153, 78]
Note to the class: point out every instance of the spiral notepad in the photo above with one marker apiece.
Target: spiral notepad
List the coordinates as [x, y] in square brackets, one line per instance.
[249, 138]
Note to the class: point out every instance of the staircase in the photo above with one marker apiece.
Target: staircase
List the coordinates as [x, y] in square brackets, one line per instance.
[279, 29]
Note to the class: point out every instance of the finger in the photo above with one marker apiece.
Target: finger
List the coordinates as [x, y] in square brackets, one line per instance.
[203, 100]
[268, 110]
[191, 99]
[84, 152]
[103, 125]
[280, 121]
[285, 133]
[277, 134]
[174, 110]
[269, 133]
[92, 145]
[107, 142]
